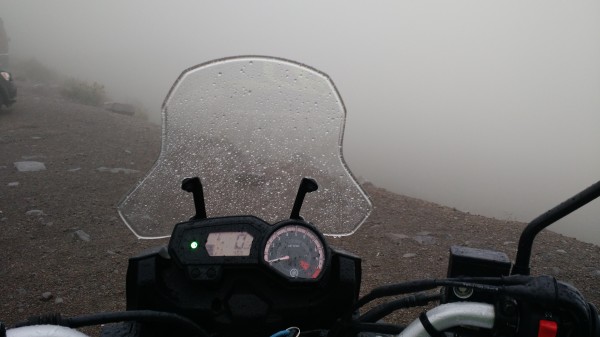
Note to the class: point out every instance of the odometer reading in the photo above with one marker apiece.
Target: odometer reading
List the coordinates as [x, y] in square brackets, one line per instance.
[229, 244]
[296, 252]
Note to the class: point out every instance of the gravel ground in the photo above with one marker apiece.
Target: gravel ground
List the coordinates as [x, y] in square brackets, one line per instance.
[65, 250]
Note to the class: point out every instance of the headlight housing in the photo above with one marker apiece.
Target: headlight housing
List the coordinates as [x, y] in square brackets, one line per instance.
[6, 75]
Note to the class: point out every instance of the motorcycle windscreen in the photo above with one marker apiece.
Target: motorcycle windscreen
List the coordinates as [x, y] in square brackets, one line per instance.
[250, 128]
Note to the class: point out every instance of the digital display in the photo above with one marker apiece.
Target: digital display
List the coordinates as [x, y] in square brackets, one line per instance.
[229, 244]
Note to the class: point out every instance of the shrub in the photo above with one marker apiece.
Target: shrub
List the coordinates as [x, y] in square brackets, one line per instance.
[34, 70]
[83, 92]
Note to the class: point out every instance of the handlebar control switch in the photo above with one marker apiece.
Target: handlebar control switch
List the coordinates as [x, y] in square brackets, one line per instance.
[507, 317]
[547, 328]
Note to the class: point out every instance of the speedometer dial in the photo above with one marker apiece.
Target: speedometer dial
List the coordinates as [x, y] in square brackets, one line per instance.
[296, 252]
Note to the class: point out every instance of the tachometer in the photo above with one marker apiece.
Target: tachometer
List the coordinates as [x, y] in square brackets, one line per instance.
[296, 252]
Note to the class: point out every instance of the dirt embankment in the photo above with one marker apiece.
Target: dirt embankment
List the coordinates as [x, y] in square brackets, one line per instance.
[65, 250]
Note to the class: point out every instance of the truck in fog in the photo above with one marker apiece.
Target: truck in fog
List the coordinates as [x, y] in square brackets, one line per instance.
[3, 46]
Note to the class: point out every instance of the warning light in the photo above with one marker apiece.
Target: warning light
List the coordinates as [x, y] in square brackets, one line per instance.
[194, 245]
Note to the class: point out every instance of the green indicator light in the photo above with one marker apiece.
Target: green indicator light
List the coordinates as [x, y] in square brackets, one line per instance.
[194, 244]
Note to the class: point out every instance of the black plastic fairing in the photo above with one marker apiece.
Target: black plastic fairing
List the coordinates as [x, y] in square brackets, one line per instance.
[240, 294]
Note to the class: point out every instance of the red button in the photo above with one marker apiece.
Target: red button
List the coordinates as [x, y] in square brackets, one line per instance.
[547, 329]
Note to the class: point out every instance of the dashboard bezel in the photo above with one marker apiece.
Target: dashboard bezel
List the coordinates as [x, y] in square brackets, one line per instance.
[198, 263]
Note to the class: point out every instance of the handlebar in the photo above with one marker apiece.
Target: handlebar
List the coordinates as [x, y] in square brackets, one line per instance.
[440, 318]
[451, 315]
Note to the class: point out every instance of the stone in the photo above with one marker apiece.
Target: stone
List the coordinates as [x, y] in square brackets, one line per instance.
[409, 255]
[29, 166]
[116, 170]
[120, 108]
[81, 235]
[424, 239]
[47, 296]
[396, 237]
[35, 212]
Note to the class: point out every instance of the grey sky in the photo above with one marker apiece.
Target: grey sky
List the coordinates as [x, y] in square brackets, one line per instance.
[491, 107]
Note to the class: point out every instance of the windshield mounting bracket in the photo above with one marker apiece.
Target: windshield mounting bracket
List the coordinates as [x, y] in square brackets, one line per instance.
[307, 185]
[194, 185]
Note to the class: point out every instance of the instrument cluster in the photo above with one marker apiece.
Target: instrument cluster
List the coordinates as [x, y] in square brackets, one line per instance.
[293, 249]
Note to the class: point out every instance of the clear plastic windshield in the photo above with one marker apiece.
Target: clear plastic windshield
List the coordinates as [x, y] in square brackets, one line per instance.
[250, 128]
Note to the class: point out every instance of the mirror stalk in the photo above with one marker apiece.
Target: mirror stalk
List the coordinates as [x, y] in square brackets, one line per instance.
[521, 266]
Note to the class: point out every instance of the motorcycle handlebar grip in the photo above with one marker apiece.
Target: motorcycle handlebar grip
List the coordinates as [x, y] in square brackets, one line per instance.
[449, 315]
[44, 331]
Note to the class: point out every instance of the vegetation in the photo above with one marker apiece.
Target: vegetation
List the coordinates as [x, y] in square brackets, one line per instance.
[48, 81]
[72, 89]
[34, 70]
[83, 92]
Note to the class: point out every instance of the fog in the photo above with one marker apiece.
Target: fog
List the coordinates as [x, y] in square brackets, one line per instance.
[489, 107]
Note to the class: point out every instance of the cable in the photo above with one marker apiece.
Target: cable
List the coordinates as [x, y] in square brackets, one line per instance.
[383, 328]
[385, 309]
[282, 333]
[487, 284]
